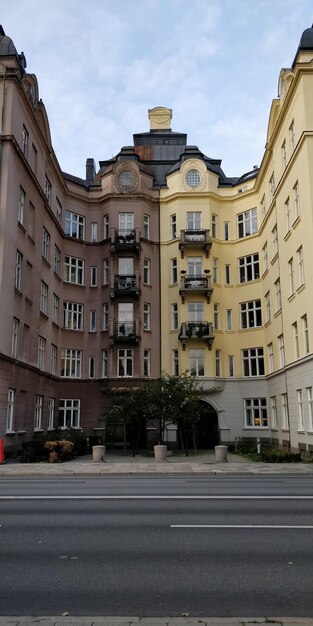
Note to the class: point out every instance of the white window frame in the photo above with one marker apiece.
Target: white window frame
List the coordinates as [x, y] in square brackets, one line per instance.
[73, 315]
[147, 316]
[300, 410]
[278, 294]
[247, 223]
[265, 257]
[281, 348]
[253, 362]
[284, 154]
[174, 271]
[255, 411]
[174, 316]
[249, 268]
[45, 244]
[305, 330]
[214, 225]
[274, 422]
[41, 353]
[195, 312]
[38, 413]
[94, 231]
[10, 411]
[309, 391]
[275, 240]
[55, 309]
[292, 136]
[268, 306]
[15, 333]
[288, 214]
[231, 365]
[75, 225]
[58, 210]
[105, 316]
[92, 321]
[291, 272]
[227, 274]
[53, 359]
[106, 226]
[147, 271]
[21, 206]
[300, 266]
[92, 367]
[93, 276]
[146, 226]
[18, 271]
[216, 316]
[175, 362]
[250, 314]
[48, 190]
[173, 226]
[25, 140]
[51, 411]
[57, 260]
[106, 271]
[197, 362]
[218, 355]
[74, 270]
[105, 363]
[215, 268]
[69, 413]
[44, 290]
[229, 319]
[296, 339]
[270, 357]
[226, 231]
[71, 363]
[147, 363]
[296, 197]
[285, 411]
[125, 363]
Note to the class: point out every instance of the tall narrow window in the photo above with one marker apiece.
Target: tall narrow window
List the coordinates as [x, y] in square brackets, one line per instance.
[173, 226]
[272, 184]
[175, 363]
[106, 227]
[105, 363]
[291, 276]
[309, 391]
[173, 271]
[287, 213]
[53, 359]
[146, 226]
[174, 316]
[45, 244]
[43, 298]
[57, 260]
[227, 275]
[226, 231]
[214, 226]
[292, 136]
[231, 365]
[106, 271]
[217, 362]
[270, 358]
[38, 412]
[296, 339]
[147, 316]
[92, 367]
[229, 319]
[51, 403]
[216, 316]
[284, 154]
[300, 266]
[296, 197]
[48, 190]
[21, 206]
[105, 317]
[18, 271]
[147, 272]
[10, 411]
[285, 411]
[93, 321]
[14, 341]
[267, 306]
[281, 347]
[58, 210]
[305, 334]
[93, 276]
[300, 410]
[275, 240]
[25, 138]
[278, 294]
[273, 412]
[263, 206]
[147, 363]
[215, 270]
[55, 309]
[265, 257]
[94, 231]
[41, 353]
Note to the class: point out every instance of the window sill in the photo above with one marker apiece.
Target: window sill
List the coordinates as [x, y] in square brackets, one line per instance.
[256, 428]
[31, 240]
[38, 430]
[10, 432]
[46, 262]
[19, 293]
[275, 257]
[55, 324]
[21, 227]
[285, 430]
[301, 288]
[287, 235]
[301, 432]
[291, 297]
[274, 429]
[57, 275]
[296, 222]
[265, 273]
[267, 323]
[44, 315]
[28, 300]
[21, 432]
[277, 313]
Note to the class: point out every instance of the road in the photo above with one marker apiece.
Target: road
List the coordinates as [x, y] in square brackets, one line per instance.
[160, 546]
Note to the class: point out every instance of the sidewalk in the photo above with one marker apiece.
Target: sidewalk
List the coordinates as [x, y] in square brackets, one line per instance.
[202, 465]
[155, 621]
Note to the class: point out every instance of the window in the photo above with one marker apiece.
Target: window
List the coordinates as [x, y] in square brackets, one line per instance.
[51, 405]
[147, 316]
[124, 363]
[74, 270]
[173, 229]
[106, 271]
[93, 321]
[45, 244]
[18, 271]
[291, 276]
[265, 257]
[57, 260]
[284, 154]
[217, 362]
[292, 136]
[300, 266]
[55, 309]
[25, 138]
[226, 231]
[173, 271]
[229, 319]
[195, 266]
[300, 410]
[74, 225]
[263, 206]
[253, 362]
[43, 298]
[255, 412]
[38, 413]
[146, 226]
[273, 412]
[214, 226]
[126, 223]
[275, 240]
[174, 316]
[147, 363]
[147, 271]
[278, 294]
[250, 314]
[231, 365]
[58, 210]
[193, 220]
[193, 178]
[69, 413]
[92, 366]
[272, 184]
[227, 275]
[175, 363]
[247, 223]
[281, 347]
[14, 340]
[106, 227]
[41, 353]
[216, 316]
[34, 158]
[105, 363]
[215, 270]
[73, 315]
[71, 363]
[249, 268]
[305, 334]
[94, 231]
[21, 206]
[285, 411]
[48, 190]
[270, 358]
[296, 197]
[310, 405]
[296, 339]
[268, 306]
[10, 411]
[287, 213]
[53, 359]
[93, 276]
[195, 312]
[196, 362]
[105, 316]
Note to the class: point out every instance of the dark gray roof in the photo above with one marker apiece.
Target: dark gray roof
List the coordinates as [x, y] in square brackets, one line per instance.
[306, 42]
[7, 46]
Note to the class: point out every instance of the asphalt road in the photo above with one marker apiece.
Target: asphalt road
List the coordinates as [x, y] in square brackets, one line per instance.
[161, 546]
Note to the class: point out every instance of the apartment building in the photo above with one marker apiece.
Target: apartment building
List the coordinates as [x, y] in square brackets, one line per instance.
[157, 261]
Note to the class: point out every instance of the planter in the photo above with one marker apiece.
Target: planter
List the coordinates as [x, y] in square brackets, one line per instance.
[160, 452]
[221, 454]
[98, 454]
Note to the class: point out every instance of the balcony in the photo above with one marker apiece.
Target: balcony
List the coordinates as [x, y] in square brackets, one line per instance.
[125, 240]
[199, 239]
[196, 331]
[195, 284]
[124, 333]
[125, 285]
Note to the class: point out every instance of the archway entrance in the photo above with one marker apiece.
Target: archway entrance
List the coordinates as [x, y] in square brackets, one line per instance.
[205, 430]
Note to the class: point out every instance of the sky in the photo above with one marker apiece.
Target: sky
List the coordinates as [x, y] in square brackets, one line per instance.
[101, 65]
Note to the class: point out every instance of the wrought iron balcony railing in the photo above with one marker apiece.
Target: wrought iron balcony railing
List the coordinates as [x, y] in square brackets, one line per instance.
[125, 239]
[196, 331]
[195, 284]
[124, 332]
[125, 285]
[195, 239]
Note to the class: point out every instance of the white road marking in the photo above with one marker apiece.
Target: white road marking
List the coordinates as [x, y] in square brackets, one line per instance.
[279, 526]
[152, 497]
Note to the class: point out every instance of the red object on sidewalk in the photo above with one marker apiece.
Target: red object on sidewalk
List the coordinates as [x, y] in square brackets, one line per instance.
[1, 451]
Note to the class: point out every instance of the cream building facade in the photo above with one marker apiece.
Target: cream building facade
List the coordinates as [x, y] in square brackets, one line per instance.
[157, 261]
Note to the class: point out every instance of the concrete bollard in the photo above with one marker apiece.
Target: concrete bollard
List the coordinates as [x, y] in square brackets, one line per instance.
[160, 452]
[221, 454]
[98, 454]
